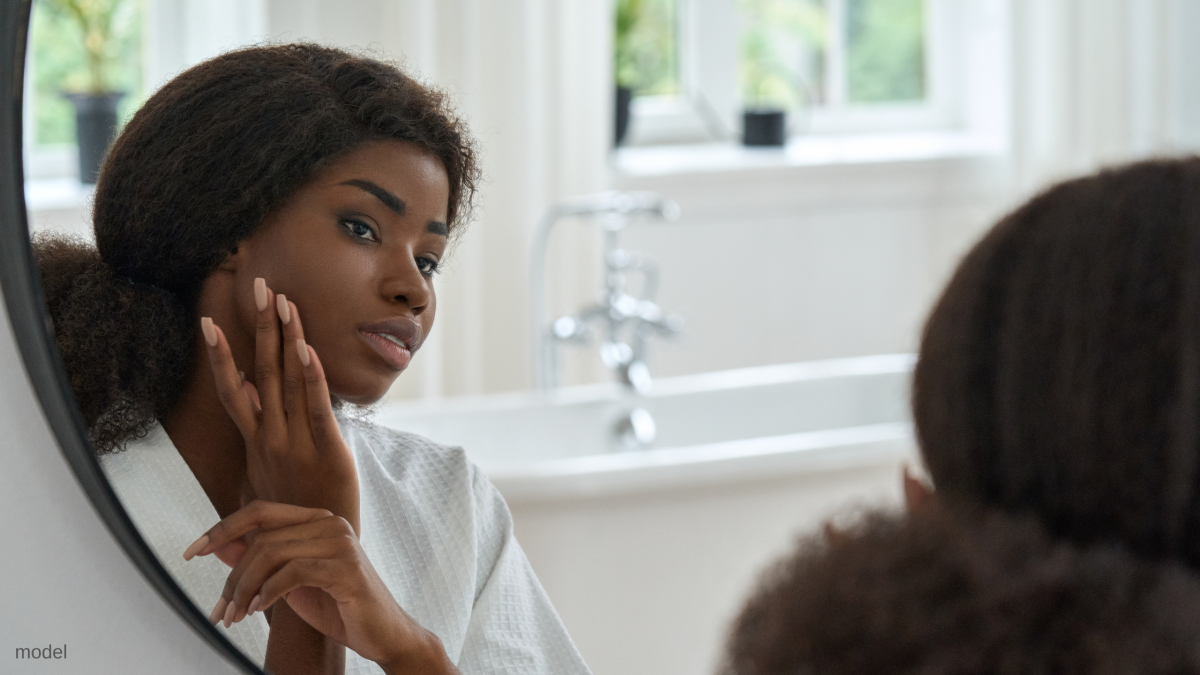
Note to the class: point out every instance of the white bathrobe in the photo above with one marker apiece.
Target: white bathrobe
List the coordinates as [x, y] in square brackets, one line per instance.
[438, 533]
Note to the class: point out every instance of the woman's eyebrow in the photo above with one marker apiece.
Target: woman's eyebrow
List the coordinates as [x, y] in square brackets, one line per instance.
[389, 200]
[437, 227]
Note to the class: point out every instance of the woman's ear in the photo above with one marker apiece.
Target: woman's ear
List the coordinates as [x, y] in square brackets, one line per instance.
[917, 495]
[230, 263]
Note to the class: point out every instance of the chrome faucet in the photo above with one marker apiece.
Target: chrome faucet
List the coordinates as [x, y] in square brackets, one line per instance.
[624, 323]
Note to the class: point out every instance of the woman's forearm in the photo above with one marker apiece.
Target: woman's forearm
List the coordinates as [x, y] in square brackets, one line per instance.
[296, 648]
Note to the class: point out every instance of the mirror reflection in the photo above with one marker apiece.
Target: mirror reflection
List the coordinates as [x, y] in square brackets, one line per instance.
[680, 253]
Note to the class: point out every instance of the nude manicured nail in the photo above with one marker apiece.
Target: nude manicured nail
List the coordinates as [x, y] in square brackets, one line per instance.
[210, 333]
[196, 547]
[242, 375]
[218, 612]
[253, 604]
[285, 312]
[260, 293]
[230, 612]
[302, 349]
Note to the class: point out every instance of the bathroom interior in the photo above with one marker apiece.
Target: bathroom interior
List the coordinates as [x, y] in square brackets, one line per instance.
[677, 347]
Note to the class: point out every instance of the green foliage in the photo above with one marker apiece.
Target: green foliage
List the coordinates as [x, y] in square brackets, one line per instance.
[885, 55]
[66, 56]
[783, 52]
[646, 47]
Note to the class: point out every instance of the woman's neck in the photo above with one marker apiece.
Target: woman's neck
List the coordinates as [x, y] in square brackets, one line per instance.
[208, 440]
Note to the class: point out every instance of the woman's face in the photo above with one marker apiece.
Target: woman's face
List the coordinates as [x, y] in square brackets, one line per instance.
[356, 250]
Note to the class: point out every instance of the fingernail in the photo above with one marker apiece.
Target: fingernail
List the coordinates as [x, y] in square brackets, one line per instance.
[210, 333]
[196, 547]
[302, 348]
[242, 375]
[285, 312]
[218, 612]
[230, 611]
[253, 604]
[260, 293]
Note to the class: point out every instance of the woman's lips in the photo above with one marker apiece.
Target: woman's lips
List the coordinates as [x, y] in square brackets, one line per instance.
[393, 354]
[394, 339]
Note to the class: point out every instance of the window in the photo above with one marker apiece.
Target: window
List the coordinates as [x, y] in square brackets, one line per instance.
[58, 63]
[647, 49]
[834, 65]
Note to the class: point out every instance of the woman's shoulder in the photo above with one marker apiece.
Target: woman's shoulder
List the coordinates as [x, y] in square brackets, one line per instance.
[388, 439]
[407, 457]
[431, 483]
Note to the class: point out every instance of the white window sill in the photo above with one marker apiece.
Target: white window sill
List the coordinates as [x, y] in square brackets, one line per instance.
[805, 151]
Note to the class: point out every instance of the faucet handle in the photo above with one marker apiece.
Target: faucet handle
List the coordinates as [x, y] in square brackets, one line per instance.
[571, 329]
[615, 355]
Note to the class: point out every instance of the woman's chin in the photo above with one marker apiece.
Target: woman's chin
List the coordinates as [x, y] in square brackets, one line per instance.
[363, 391]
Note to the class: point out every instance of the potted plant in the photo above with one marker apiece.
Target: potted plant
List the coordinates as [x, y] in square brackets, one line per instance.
[95, 102]
[625, 63]
[779, 38]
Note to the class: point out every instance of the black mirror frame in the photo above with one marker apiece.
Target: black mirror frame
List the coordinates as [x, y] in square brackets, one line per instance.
[34, 334]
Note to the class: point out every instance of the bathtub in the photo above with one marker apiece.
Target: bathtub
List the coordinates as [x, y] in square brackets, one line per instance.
[648, 553]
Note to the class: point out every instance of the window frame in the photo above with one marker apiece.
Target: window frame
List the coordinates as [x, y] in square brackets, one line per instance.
[708, 108]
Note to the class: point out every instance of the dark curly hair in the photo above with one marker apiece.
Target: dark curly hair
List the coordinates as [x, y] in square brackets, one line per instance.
[195, 172]
[973, 593]
[1059, 373]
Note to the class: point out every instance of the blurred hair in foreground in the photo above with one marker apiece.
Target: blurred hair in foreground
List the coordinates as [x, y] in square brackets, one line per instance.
[1057, 407]
[940, 593]
[1059, 373]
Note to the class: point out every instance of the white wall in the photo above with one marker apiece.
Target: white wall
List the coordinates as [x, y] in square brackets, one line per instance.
[790, 264]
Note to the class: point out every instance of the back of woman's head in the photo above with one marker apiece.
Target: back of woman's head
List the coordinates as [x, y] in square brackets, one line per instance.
[1059, 373]
[196, 171]
[971, 593]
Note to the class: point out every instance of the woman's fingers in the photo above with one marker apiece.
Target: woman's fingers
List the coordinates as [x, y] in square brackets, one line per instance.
[320, 408]
[252, 393]
[268, 367]
[257, 515]
[322, 573]
[233, 395]
[267, 556]
[295, 402]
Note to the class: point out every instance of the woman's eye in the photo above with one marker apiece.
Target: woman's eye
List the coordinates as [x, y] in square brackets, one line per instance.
[360, 229]
[428, 266]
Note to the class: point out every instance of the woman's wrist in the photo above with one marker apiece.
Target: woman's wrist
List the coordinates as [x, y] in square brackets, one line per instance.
[423, 654]
[293, 646]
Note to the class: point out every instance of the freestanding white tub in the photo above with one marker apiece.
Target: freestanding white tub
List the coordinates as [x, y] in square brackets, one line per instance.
[647, 554]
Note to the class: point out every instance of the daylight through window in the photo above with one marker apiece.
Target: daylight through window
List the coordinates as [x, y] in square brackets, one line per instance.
[60, 63]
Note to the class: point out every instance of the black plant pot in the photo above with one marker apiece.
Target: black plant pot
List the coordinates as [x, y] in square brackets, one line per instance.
[95, 128]
[764, 127]
[624, 96]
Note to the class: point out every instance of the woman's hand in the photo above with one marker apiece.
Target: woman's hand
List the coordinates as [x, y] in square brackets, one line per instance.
[295, 453]
[312, 559]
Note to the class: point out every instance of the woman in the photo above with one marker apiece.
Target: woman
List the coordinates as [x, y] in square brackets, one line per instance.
[267, 229]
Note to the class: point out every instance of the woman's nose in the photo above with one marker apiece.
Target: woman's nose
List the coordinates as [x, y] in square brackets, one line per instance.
[405, 284]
